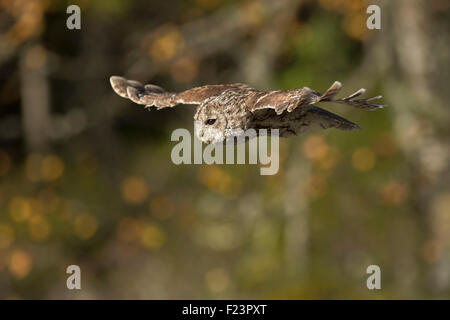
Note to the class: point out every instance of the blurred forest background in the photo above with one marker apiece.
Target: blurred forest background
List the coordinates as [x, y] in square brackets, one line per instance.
[86, 177]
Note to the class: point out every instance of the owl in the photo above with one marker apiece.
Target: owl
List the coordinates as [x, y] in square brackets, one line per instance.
[226, 111]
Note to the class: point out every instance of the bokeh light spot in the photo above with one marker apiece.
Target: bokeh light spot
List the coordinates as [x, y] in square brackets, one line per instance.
[315, 147]
[134, 190]
[354, 24]
[184, 69]
[85, 226]
[217, 280]
[153, 236]
[219, 237]
[218, 180]
[20, 264]
[36, 57]
[166, 44]
[363, 159]
[20, 209]
[394, 193]
[52, 168]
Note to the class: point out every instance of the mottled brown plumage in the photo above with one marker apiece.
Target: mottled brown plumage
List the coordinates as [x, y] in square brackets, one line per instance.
[228, 110]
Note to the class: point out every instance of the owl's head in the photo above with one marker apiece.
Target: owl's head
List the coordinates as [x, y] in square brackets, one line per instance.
[213, 124]
[210, 124]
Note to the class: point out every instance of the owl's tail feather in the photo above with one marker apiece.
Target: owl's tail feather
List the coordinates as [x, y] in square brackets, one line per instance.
[326, 119]
[329, 95]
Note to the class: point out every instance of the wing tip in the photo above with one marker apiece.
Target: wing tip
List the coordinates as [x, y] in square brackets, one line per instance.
[337, 84]
[349, 126]
[113, 78]
[119, 85]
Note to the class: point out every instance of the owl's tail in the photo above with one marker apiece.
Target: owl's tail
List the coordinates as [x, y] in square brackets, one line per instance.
[329, 95]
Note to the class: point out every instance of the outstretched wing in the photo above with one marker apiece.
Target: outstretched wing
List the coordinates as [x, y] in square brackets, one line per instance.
[289, 100]
[151, 95]
[299, 120]
[326, 119]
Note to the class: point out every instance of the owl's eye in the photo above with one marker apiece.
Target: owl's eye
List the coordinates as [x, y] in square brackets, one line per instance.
[210, 122]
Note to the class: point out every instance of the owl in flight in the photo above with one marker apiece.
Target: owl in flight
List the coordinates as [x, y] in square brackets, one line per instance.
[226, 111]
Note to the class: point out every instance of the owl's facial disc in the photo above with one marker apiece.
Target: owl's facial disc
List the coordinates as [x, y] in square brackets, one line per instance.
[208, 133]
[210, 124]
